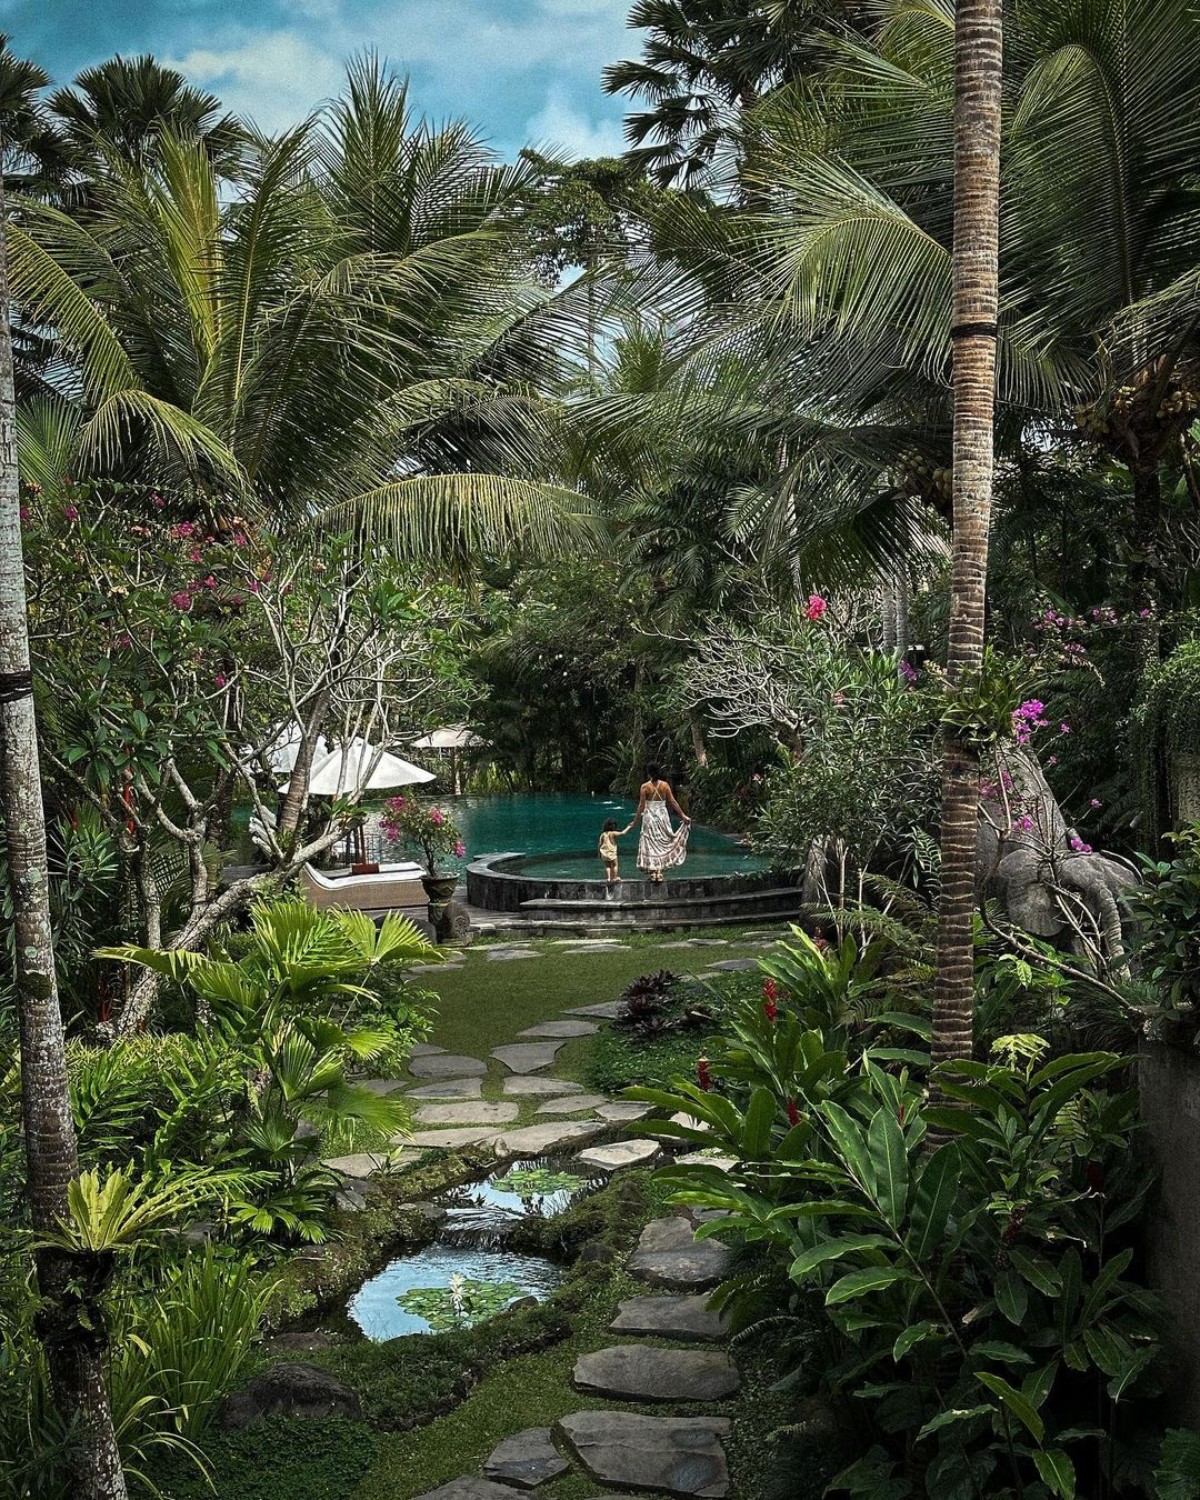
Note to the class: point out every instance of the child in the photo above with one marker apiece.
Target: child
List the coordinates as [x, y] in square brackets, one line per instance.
[608, 849]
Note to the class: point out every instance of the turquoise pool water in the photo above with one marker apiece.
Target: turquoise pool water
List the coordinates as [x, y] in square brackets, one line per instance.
[559, 833]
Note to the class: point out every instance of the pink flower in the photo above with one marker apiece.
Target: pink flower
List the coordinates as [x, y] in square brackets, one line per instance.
[1143, 614]
[220, 680]
[839, 698]
[157, 501]
[1064, 729]
[239, 539]
[26, 513]
[182, 600]
[460, 849]
[1052, 760]
[436, 816]
[184, 529]
[908, 671]
[816, 607]
[210, 582]
[254, 586]
[71, 512]
[1095, 802]
[1078, 845]
[195, 555]
[1023, 824]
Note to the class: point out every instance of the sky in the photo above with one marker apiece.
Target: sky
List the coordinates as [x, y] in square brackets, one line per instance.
[525, 72]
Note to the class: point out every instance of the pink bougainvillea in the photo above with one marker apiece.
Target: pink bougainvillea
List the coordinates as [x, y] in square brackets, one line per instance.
[816, 607]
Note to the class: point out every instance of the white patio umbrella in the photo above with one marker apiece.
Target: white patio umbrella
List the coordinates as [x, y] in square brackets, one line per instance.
[453, 737]
[281, 753]
[357, 767]
[362, 767]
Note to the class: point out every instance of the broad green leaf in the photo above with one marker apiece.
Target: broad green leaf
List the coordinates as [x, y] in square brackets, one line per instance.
[1012, 1297]
[998, 1350]
[1015, 1402]
[956, 1414]
[889, 1160]
[851, 1143]
[1036, 1270]
[937, 1189]
[915, 1334]
[870, 1279]
[756, 1137]
[1057, 1471]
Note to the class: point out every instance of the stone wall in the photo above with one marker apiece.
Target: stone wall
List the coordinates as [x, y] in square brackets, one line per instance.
[1169, 1081]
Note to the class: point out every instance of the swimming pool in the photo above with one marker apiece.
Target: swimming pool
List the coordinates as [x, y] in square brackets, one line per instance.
[558, 833]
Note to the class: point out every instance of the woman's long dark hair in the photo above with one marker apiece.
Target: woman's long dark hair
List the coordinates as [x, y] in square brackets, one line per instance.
[653, 773]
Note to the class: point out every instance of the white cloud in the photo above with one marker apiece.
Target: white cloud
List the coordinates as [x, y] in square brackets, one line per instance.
[274, 79]
[560, 125]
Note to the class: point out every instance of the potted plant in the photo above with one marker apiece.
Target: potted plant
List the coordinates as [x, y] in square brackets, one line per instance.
[419, 828]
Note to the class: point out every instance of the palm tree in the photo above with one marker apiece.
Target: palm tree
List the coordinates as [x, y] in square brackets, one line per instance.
[74, 1350]
[348, 338]
[976, 265]
[128, 104]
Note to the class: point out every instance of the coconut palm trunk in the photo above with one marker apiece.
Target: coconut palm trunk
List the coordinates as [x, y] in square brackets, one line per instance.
[74, 1351]
[978, 38]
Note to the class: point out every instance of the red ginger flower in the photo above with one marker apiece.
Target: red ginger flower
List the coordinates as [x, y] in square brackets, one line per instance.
[703, 1076]
[793, 1113]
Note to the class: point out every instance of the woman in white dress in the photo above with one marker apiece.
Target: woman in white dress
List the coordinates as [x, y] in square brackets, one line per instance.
[661, 847]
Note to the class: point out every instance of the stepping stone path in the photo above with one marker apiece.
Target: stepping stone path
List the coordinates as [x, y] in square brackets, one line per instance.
[682, 1456]
[381, 1086]
[470, 1112]
[537, 1140]
[699, 943]
[642, 1372]
[362, 1164]
[453, 1088]
[669, 1254]
[450, 1140]
[525, 1086]
[733, 965]
[573, 1104]
[502, 955]
[561, 1029]
[704, 1159]
[426, 1049]
[622, 1111]
[470, 1488]
[527, 1057]
[526, 1460]
[689, 1319]
[447, 1065]
[607, 1010]
[620, 1154]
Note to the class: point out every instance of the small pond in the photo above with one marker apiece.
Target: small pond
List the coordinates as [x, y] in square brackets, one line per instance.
[469, 1254]
[375, 1307]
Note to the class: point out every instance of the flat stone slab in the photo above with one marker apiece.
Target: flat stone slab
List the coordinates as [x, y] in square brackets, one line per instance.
[607, 1010]
[643, 1372]
[573, 1104]
[620, 1154]
[561, 1029]
[427, 1049]
[469, 1112]
[453, 1088]
[733, 965]
[361, 1164]
[681, 1456]
[688, 1319]
[527, 1057]
[381, 1086]
[621, 1111]
[462, 1135]
[536, 1140]
[706, 1159]
[502, 955]
[669, 1254]
[447, 1065]
[699, 943]
[524, 1086]
[526, 1460]
[469, 1488]
[595, 947]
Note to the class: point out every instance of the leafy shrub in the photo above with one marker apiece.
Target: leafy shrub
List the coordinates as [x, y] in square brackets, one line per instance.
[1167, 912]
[978, 1297]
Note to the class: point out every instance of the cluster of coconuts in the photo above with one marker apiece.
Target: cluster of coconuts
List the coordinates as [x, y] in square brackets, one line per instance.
[1178, 401]
[916, 475]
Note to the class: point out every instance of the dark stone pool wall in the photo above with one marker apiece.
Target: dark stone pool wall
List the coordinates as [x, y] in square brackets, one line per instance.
[497, 883]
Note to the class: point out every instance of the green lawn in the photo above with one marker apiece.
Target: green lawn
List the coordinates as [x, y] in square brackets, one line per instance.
[487, 1002]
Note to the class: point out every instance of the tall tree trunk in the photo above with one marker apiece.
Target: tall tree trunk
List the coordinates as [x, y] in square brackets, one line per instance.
[977, 47]
[73, 1351]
